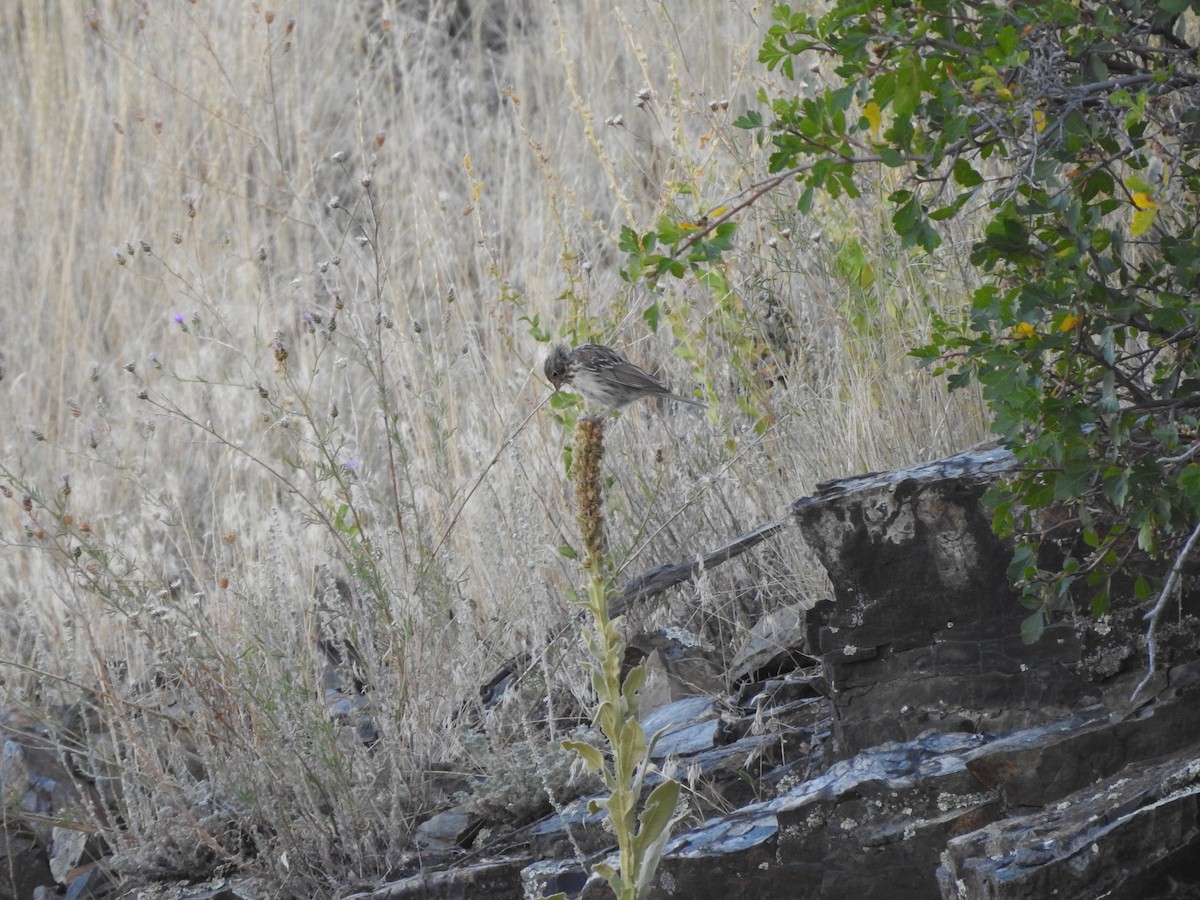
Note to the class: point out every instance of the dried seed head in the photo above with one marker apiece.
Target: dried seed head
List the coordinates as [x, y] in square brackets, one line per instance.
[334, 202]
[339, 156]
[615, 121]
[380, 137]
[176, 237]
[262, 254]
[269, 16]
[589, 504]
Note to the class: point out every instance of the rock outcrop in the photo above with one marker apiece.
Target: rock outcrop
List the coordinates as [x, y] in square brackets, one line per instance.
[897, 740]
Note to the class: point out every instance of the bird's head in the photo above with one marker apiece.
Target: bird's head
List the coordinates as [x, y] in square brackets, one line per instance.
[558, 366]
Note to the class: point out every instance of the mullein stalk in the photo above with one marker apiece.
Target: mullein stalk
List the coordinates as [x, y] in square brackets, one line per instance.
[640, 837]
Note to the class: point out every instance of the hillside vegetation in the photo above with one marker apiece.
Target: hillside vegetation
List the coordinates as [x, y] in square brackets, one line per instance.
[279, 284]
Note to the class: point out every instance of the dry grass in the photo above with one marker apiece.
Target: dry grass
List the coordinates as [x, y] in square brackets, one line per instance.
[194, 193]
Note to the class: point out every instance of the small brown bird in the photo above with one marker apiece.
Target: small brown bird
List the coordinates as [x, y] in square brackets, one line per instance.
[604, 376]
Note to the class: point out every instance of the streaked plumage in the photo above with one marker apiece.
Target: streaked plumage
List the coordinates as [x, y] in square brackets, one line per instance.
[605, 377]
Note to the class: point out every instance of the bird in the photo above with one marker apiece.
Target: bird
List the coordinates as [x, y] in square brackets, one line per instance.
[604, 377]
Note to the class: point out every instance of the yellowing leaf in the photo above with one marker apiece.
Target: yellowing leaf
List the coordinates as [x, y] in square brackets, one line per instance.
[1143, 220]
[873, 115]
[718, 212]
[1069, 323]
[1039, 121]
[1004, 94]
[1142, 200]
[1024, 330]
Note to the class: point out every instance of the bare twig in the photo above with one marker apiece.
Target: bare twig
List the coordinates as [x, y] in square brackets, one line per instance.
[1170, 586]
[657, 580]
[1185, 456]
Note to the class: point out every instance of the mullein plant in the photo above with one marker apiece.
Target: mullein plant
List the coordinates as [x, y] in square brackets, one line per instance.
[642, 836]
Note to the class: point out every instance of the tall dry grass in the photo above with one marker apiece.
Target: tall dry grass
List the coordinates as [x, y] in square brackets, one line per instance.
[197, 191]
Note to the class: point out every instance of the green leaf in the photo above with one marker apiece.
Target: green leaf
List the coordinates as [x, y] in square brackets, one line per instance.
[634, 681]
[650, 315]
[890, 157]
[1116, 486]
[749, 120]
[1032, 627]
[965, 174]
[593, 759]
[908, 85]
[1006, 39]
[1141, 589]
[654, 831]
[609, 874]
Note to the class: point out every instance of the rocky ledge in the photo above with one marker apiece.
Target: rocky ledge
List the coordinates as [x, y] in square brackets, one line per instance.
[897, 740]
